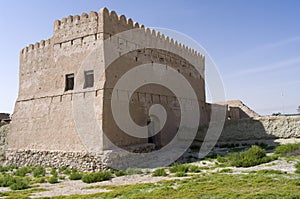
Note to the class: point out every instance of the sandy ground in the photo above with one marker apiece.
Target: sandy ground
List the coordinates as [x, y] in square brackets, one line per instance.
[78, 187]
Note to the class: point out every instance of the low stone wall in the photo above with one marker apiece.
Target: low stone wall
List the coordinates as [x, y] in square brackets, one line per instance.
[83, 161]
[79, 160]
[260, 128]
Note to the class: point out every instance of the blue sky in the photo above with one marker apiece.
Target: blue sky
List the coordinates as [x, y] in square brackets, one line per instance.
[255, 44]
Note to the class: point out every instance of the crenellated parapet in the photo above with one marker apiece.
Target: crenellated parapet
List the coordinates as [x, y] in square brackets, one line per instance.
[76, 26]
[76, 30]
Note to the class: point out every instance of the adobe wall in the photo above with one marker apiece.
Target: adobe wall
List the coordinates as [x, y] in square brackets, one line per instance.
[46, 118]
[147, 48]
[43, 115]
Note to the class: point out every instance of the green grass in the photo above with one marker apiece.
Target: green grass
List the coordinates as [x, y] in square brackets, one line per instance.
[253, 156]
[177, 167]
[96, 177]
[227, 170]
[132, 171]
[75, 176]
[159, 172]
[285, 149]
[180, 174]
[38, 171]
[210, 186]
[297, 166]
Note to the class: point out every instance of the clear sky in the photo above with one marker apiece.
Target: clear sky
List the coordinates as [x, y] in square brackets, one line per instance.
[255, 44]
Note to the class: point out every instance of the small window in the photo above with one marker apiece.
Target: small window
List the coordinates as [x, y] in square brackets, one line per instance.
[88, 79]
[69, 82]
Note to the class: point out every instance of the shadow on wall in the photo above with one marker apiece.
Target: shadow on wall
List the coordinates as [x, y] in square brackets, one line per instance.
[243, 125]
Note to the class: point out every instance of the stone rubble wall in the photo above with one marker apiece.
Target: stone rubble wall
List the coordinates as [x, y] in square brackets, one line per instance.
[3, 142]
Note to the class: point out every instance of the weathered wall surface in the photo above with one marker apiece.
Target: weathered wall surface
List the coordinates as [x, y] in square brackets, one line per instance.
[261, 128]
[47, 117]
[3, 142]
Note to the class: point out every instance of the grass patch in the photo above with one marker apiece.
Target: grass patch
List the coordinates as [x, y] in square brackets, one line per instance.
[297, 166]
[194, 169]
[38, 172]
[217, 186]
[22, 171]
[285, 149]
[53, 180]
[177, 167]
[159, 172]
[119, 173]
[96, 177]
[271, 171]
[75, 176]
[253, 156]
[132, 171]
[180, 174]
[226, 170]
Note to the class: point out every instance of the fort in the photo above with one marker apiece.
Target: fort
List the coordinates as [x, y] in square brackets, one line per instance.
[52, 127]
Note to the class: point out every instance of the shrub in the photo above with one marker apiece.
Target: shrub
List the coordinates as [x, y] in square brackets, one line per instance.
[120, 173]
[53, 180]
[54, 172]
[19, 184]
[254, 156]
[38, 171]
[180, 174]
[96, 177]
[194, 169]
[22, 171]
[4, 169]
[159, 172]
[6, 180]
[40, 180]
[75, 176]
[179, 168]
[131, 171]
[287, 148]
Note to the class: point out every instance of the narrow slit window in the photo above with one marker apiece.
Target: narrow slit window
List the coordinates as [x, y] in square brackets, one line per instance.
[69, 82]
[88, 79]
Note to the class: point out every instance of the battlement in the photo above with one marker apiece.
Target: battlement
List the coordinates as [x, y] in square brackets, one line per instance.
[38, 45]
[102, 25]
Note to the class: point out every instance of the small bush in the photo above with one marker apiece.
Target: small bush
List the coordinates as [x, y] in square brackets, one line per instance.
[40, 180]
[6, 180]
[179, 168]
[132, 171]
[53, 180]
[54, 172]
[159, 172]
[38, 171]
[4, 169]
[96, 177]
[194, 169]
[180, 174]
[120, 173]
[297, 166]
[19, 184]
[286, 148]
[22, 171]
[254, 156]
[75, 176]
